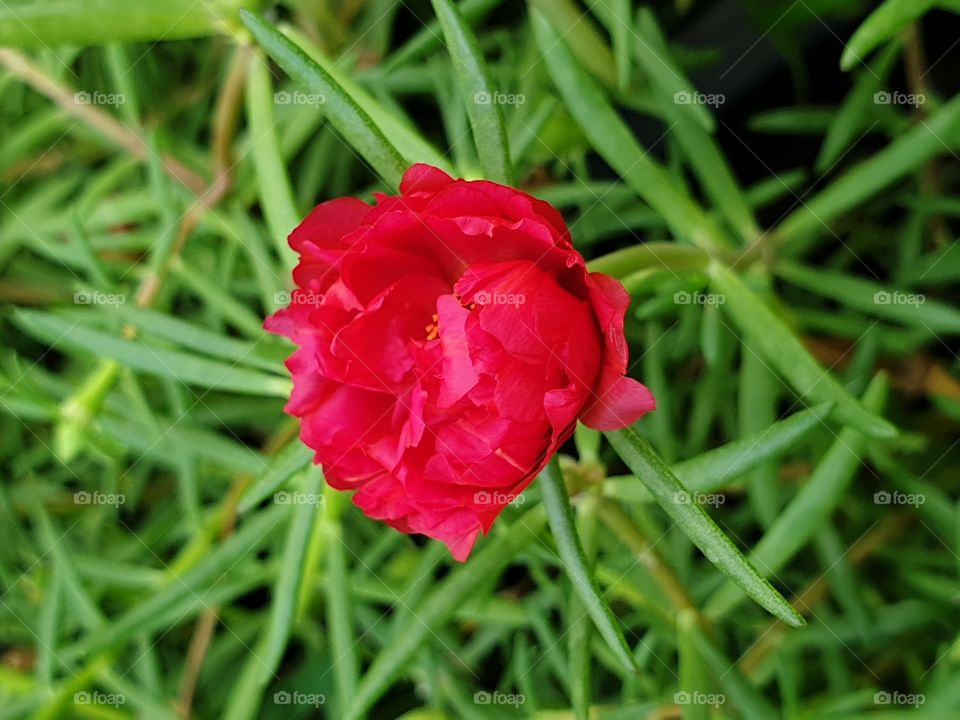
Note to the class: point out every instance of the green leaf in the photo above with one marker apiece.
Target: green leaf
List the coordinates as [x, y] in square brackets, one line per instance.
[33, 134]
[264, 660]
[713, 469]
[744, 696]
[293, 458]
[560, 515]
[92, 263]
[188, 588]
[79, 410]
[338, 593]
[792, 121]
[703, 154]
[579, 32]
[219, 299]
[928, 138]
[936, 267]
[675, 499]
[857, 111]
[788, 356]
[662, 422]
[611, 138]
[50, 621]
[276, 194]
[76, 600]
[674, 89]
[350, 120]
[152, 705]
[280, 624]
[43, 23]
[615, 15]
[429, 36]
[587, 441]
[202, 340]
[758, 392]
[771, 189]
[832, 552]
[173, 440]
[63, 333]
[479, 93]
[526, 130]
[807, 511]
[580, 633]
[880, 26]
[671, 256]
[440, 605]
[408, 142]
[909, 308]
[693, 673]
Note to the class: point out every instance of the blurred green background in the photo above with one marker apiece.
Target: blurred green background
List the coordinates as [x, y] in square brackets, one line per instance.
[774, 182]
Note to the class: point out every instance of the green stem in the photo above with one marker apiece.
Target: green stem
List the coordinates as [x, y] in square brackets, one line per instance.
[655, 256]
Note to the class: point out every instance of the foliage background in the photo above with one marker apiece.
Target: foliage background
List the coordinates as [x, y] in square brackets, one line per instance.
[764, 178]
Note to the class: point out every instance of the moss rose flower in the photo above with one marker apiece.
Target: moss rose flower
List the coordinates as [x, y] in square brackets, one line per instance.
[449, 338]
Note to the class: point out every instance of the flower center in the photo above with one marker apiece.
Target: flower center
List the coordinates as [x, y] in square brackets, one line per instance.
[433, 330]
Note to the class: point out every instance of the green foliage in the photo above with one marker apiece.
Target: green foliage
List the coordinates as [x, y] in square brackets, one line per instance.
[25, 23]
[778, 539]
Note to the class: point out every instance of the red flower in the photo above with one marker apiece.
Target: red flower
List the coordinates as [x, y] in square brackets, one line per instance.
[449, 339]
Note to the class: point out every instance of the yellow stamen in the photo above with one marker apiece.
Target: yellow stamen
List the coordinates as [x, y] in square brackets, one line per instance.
[433, 330]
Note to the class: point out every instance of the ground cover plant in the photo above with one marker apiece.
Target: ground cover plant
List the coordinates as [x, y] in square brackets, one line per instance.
[774, 185]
